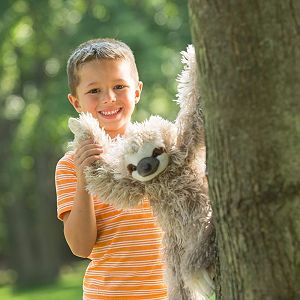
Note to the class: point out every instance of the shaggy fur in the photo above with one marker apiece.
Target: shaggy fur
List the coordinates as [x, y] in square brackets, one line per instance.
[177, 189]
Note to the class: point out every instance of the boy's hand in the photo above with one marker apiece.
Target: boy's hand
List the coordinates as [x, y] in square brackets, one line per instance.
[87, 153]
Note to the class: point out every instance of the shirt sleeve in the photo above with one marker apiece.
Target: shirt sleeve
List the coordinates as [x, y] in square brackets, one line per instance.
[65, 183]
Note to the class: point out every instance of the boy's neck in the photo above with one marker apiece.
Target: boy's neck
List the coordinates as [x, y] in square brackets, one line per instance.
[114, 133]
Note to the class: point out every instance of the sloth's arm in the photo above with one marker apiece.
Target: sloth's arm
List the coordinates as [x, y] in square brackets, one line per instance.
[189, 121]
[121, 193]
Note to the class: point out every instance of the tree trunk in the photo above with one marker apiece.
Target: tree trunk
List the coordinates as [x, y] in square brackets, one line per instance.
[49, 230]
[249, 58]
[21, 252]
[34, 236]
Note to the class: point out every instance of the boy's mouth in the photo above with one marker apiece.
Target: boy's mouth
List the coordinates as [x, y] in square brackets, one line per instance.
[110, 114]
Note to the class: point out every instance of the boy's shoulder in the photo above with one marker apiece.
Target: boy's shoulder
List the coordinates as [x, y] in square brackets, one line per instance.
[67, 160]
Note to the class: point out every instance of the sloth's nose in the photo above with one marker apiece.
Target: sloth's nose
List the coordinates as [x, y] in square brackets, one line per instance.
[147, 166]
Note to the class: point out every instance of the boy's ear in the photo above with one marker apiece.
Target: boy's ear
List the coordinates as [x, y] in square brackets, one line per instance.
[75, 102]
[138, 92]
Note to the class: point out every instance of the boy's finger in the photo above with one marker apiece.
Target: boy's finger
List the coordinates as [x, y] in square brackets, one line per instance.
[83, 144]
[87, 147]
[86, 142]
[91, 152]
[80, 157]
[89, 141]
[89, 160]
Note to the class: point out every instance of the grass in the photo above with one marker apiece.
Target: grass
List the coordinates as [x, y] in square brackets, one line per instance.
[68, 287]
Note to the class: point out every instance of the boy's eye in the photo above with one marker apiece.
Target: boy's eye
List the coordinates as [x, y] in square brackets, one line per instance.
[93, 91]
[119, 87]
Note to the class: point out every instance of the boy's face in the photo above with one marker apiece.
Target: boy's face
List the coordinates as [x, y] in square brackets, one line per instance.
[109, 92]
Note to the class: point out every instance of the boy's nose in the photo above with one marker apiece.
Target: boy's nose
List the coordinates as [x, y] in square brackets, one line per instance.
[109, 96]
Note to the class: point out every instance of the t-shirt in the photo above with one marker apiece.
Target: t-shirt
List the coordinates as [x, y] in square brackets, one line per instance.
[126, 261]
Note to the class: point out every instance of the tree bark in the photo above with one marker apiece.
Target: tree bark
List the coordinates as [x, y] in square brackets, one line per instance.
[249, 59]
[34, 235]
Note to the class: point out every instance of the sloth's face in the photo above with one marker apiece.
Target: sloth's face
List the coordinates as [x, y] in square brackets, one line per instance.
[148, 162]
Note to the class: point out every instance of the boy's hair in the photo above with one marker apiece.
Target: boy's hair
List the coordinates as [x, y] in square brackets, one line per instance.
[98, 49]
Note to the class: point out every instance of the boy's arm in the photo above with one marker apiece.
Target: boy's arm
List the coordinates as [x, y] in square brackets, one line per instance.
[80, 223]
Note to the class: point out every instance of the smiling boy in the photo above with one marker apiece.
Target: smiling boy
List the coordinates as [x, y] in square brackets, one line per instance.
[124, 246]
[109, 90]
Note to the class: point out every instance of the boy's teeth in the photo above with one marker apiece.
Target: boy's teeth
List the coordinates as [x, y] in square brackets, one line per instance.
[108, 113]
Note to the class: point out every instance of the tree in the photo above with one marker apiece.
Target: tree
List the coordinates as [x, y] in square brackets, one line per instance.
[249, 59]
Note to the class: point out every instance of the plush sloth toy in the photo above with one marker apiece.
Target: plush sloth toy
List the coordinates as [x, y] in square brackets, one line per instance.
[163, 162]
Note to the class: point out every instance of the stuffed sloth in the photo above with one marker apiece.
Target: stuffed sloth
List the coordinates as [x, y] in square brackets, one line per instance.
[163, 162]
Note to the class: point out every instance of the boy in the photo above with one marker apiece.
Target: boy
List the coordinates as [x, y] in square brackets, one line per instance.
[124, 245]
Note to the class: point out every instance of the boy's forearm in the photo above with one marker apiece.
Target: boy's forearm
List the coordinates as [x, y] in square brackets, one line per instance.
[80, 225]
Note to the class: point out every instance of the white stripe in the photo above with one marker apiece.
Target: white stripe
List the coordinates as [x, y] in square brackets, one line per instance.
[65, 186]
[128, 223]
[127, 233]
[65, 196]
[117, 245]
[124, 264]
[150, 272]
[122, 293]
[131, 254]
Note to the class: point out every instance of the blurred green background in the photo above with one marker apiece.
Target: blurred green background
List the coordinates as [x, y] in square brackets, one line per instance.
[36, 39]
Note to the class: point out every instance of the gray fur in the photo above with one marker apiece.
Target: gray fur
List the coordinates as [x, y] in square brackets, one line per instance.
[178, 195]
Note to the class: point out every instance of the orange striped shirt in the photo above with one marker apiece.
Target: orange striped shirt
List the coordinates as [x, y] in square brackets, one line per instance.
[126, 261]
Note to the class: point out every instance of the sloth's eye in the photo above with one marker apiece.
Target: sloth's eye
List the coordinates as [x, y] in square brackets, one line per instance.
[131, 168]
[158, 151]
